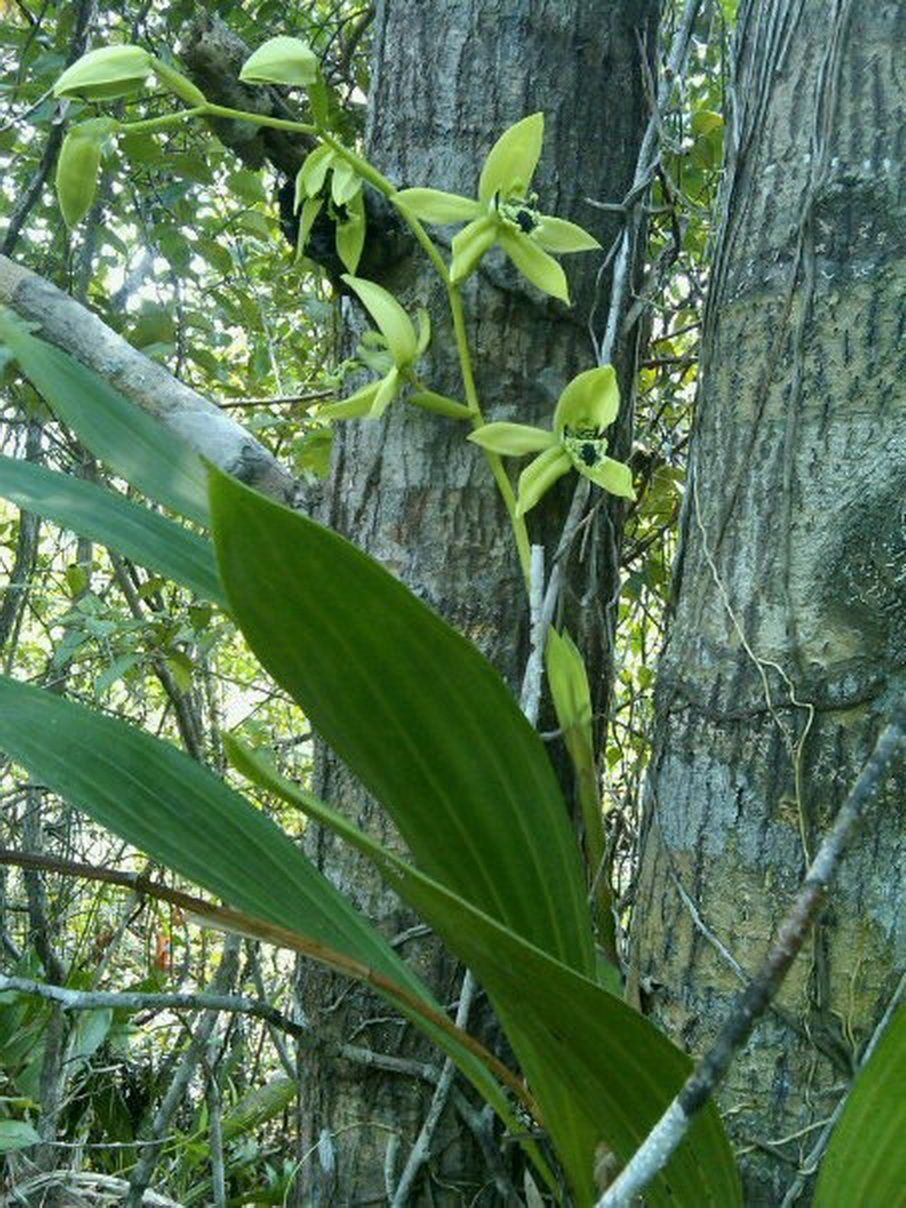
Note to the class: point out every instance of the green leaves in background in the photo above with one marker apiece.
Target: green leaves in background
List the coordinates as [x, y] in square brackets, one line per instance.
[169, 806]
[865, 1162]
[421, 716]
[142, 535]
[128, 441]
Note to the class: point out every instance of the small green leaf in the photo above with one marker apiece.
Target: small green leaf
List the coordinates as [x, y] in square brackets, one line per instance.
[535, 264]
[433, 205]
[704, 121]
[539, 476]
[247, 185]
[590, 401]
[393, 322]
[558, 235]
[105, 74]
[281, 60]
[512, 160]
[513, 440]
[311, 208]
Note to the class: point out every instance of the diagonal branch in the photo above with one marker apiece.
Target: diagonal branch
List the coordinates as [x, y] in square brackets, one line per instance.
[75, 329]
[669, 1131]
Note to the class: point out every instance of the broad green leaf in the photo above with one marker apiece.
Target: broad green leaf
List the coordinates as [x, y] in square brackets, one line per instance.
[433, 205]
[865, 1161]
[513, 440]
[599, 1070]
[142, 535]
[130, 442]
[512, 160]
[414, 710]
[281, 60]
[392, 321]
[539, 476]
[17, 1134]
[171, 807]
[535, 264]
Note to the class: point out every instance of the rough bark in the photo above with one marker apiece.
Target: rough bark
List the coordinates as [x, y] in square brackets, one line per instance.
[786, 647]
[448, 80]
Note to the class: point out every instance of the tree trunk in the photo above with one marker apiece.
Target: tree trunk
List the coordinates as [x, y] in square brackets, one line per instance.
[448, 79]
[786, 647]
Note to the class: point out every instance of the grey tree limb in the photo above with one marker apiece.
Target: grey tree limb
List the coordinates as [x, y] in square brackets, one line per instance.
[74, 328]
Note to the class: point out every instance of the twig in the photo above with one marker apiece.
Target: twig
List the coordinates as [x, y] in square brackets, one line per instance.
[669, 1131]
[421, 1150]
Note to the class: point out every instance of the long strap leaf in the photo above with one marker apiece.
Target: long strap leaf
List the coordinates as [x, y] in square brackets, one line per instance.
[142, 535]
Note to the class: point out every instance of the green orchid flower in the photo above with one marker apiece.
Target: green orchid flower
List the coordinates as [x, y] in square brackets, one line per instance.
[391, 351]
[344, 199]
[585, 409]
[505, 213]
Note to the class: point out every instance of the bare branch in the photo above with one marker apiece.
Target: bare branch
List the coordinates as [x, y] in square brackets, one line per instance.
[669, 1131]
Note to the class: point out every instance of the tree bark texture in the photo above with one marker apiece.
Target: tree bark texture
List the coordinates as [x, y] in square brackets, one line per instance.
[786, 649]
[448, 79]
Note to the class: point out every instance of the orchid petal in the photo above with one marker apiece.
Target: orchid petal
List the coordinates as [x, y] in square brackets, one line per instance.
[512, 160]
[613, 476]
[356, 405]
[535, 264]
[513, 440]
[590, 401]
[558, 235]
[423, 324]
[388, 388]
[470, 245]
[345, 183]
[433, 205]
[350, 236]
[393, 322]
[310, 177]
[539, 476]
[281, 60]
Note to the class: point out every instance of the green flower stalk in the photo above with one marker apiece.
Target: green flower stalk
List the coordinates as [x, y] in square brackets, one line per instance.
[585, 409]
[505, 213]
